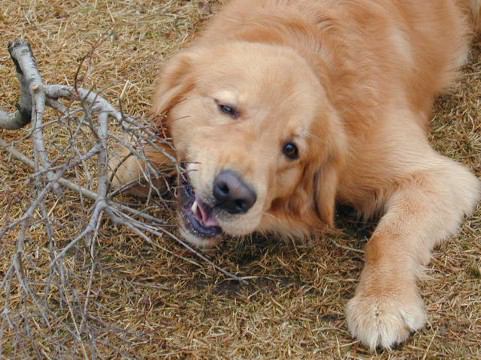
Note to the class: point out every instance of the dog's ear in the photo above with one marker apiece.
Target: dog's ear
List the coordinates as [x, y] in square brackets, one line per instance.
[325, 188]
[174, 81]
[326, 177]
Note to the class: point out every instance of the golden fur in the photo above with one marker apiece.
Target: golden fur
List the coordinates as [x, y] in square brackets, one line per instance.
[352, 83]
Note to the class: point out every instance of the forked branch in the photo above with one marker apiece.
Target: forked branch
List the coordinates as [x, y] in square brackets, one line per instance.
[93, 126]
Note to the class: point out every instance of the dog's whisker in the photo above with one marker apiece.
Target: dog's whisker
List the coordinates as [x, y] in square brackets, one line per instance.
[181, 118]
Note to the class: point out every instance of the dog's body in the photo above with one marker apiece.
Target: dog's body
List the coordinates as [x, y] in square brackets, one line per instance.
[283, 107]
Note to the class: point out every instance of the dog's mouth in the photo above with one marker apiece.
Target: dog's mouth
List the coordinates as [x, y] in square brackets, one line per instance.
[198, 216]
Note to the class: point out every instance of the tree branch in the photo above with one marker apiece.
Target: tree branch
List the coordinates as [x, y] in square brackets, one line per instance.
[28, 76]
[90, 121]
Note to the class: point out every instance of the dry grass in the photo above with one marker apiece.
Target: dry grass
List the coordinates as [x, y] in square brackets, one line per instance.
[148, 303]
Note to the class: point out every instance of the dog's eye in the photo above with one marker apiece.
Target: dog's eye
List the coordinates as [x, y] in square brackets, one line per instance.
[291, 151]
[228, 110]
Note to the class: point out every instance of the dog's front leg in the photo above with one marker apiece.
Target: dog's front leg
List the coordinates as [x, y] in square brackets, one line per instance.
[423, 210]
[140, 171]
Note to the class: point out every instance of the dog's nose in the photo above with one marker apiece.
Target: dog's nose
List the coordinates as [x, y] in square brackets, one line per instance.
[232, 193]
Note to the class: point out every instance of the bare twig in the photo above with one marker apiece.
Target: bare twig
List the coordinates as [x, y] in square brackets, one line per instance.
[89, 120]
[26, 66]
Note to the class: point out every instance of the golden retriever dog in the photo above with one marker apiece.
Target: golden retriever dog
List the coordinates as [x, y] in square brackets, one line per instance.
[282, 108]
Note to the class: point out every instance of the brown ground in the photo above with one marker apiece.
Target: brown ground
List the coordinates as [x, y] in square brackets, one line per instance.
[148, 303]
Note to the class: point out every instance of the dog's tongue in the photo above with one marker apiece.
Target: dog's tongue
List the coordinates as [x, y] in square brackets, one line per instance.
[204, 214]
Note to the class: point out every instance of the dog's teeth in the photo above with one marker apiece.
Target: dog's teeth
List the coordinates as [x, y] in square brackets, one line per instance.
[195, 205]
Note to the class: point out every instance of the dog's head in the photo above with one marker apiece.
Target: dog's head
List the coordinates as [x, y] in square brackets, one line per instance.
[260, 141]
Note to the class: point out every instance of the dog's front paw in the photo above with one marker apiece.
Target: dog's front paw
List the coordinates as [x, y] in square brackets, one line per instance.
[384, 320]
